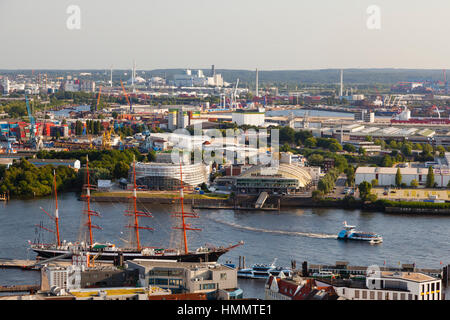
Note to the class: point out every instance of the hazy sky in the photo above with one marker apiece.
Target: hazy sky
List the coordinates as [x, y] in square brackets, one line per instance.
[232, 34]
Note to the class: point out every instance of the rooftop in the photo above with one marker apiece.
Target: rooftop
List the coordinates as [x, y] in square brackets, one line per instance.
[149, 263]
[410, 276]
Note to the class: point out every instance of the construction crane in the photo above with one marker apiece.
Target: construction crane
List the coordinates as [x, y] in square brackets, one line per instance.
[126, 96]
[436, 109]
[98, 98]
[234, 95]
[32, 141]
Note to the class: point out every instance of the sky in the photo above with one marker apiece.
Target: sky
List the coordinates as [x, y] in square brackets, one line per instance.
[231, 34]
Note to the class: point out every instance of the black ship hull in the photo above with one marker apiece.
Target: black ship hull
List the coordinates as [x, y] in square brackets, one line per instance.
[211, 256]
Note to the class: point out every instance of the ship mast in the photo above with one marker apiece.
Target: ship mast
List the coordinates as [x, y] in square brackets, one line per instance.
[58, 241]
[183, 215]
[55, 217]
[136, 213]
[89, 212]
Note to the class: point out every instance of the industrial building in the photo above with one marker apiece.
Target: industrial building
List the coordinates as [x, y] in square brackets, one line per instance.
[359, 132]
[386, 176]
[248, 117]
[365, 116]
[74, 164]
[166, 176]
[188, 79]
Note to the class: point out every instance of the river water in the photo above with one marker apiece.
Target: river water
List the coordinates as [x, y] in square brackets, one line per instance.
[294, 234]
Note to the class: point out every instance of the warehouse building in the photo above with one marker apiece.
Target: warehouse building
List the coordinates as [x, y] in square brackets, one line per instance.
[386, 176]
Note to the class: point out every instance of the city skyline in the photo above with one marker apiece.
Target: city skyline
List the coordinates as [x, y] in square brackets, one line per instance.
[235, 35]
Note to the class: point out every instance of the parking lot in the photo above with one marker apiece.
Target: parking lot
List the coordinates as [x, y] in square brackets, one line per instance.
[411, 194]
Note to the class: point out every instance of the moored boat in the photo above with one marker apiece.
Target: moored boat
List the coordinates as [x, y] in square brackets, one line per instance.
[263, 271]
[110, 252]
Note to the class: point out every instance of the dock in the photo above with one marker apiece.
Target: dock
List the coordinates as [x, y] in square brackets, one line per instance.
[20, 288]
[34, 264]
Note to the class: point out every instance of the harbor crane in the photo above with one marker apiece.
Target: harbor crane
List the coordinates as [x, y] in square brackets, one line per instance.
[33, 141]
[126, 96]
[234, 95]
[98, 98]
[436, 109]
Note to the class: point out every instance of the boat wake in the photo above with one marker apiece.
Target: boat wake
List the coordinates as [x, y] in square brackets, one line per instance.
[291, 233]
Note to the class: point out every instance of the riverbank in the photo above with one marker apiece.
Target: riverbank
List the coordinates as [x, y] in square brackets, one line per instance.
[246, 202]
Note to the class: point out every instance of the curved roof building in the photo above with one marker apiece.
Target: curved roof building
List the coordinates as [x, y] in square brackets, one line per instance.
[283, 178]
[166, 176]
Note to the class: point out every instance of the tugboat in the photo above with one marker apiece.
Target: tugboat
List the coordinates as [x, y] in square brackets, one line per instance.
[263, 271]
[110, 252]
[350, 233]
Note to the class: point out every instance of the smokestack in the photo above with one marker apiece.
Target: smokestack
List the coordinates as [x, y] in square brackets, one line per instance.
[256, 89]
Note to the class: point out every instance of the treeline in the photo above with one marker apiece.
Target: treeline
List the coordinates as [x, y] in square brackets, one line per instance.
[108, 164]
[326, 184]
[23, 179]
[413, 204]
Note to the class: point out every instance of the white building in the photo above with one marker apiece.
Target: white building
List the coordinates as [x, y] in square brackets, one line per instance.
[6, 85]
[166, 176]
[388, 285]
[248, 117]
[386, 176]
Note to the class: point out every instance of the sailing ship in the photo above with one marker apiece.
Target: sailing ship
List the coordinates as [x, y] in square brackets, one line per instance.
[110, 252]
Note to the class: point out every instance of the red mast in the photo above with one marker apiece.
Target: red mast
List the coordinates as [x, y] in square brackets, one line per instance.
[89, 212]
[183, 215]
[136, 213]
[56, 210]
[56, 215]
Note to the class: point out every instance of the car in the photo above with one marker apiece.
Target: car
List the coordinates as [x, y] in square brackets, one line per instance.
[385, 193]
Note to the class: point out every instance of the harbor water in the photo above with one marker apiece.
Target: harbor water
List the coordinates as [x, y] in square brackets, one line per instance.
[291, 234]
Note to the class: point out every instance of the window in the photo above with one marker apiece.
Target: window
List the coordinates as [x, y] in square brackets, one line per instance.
[372, 295]
[432, 286]
[380, 296]
[208, 286]
[364, 294]
[410, 296]
[402, 296]
[438, 286]
[223, 276]
[357, 294]
[394, 297]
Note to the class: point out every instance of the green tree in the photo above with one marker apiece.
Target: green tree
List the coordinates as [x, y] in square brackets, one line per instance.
[310, 142]
[365, 189]
[387, 161]
[121, 170]
[349, 147]
[151, 156]
[315, 160]
[374, 182]
[430, 178]
[414, 183]
[398, 178]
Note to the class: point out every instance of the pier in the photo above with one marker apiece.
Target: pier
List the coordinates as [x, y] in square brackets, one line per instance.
[37, 264]
[20, 288]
